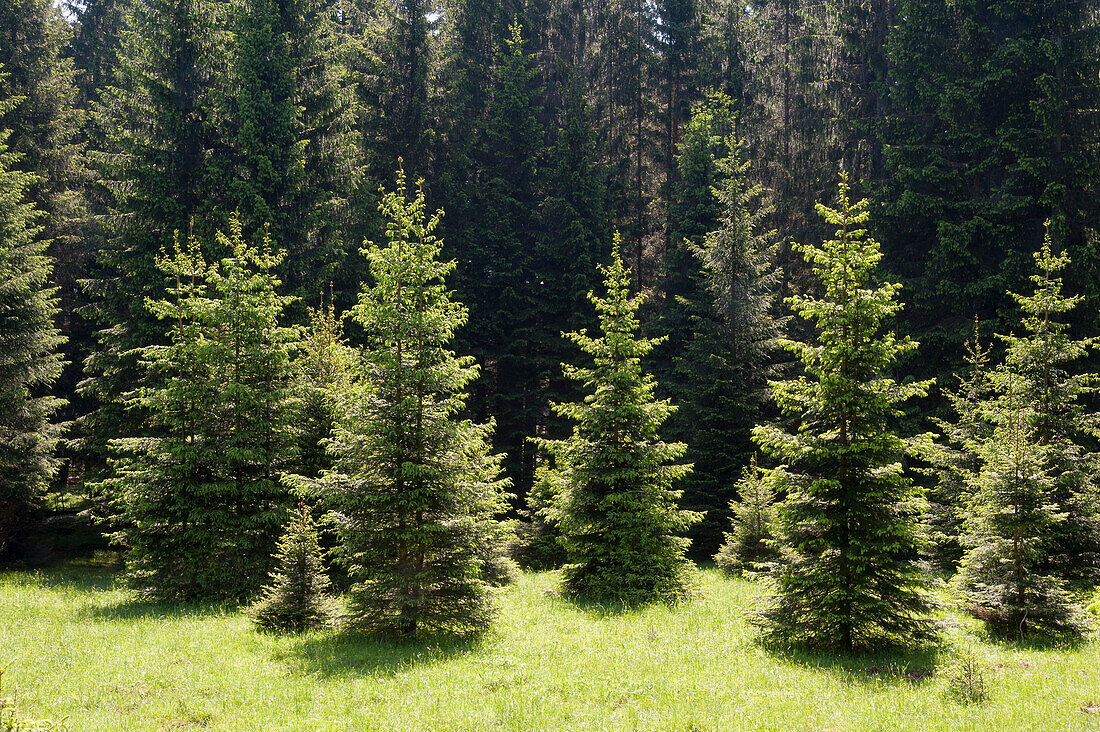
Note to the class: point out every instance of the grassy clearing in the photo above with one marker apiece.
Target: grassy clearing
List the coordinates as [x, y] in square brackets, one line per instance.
[76, 647]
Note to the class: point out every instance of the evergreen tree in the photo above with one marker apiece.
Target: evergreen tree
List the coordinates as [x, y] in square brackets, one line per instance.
[29, 360]
[323, 372]
[955, 462]
[414, 491]
[540, 544]
[719, 296]
[296, 155]
[201, 503]
[619, 514]
[1044, 364]
[161, 168]
[1008, 527]
[296, 599]
[749, 546]
[848, 577]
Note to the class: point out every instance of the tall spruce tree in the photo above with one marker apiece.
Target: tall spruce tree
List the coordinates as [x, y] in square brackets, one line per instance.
[619, 514]
[848, 577]
[162, 171]
[296, 154]
[201, 505]
[414, 491]
[29, 359]
[718, 315]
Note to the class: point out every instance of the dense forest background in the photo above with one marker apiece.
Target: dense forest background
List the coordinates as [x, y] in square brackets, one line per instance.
[540, 129]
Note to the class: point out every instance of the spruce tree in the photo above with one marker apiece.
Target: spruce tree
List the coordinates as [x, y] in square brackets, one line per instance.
[201, 504]
[29, 360]
[848, 577]
[1008, 530]
[1045, 363]
[750, 545]
[324, 370]
[295, 151]
[414, 491]
[620, 514]
[162, 171]
[296, 597]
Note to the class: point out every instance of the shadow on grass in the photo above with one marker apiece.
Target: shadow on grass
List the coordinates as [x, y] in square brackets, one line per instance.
[354, 653]
[133, 609]
[887, 667]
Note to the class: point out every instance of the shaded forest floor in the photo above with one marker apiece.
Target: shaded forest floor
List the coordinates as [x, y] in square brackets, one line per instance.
[74, 646]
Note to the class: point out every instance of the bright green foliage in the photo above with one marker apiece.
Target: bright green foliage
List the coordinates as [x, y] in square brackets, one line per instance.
[323, 374]
[201, 504]
[750, 546]
[414, 491]
[296, 598]
[848, 577]
[1047, 361]
[955, 462]
[620, 514]
[295, 164]
[28, 354]
[540, 545]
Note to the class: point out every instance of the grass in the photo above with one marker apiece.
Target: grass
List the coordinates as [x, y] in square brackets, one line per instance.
[74, 646]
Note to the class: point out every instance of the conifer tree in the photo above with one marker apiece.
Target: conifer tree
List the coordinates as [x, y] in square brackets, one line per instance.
[296, 598]
[295, 149]
[162, 172]
[29, 359]
[540, 545]
[1045, 364]
[1008, 529]
[414, 491]
[750, 545]
[620, 514]
[718, 314]
[323, 371]
[848, 577]
[201, 504]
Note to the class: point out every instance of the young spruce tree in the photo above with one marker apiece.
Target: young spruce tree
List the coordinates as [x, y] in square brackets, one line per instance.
[201, 504]
[296, 599]
[848, 577]
[28, 355]
[414, 491]
[750, 545]
[620, 514]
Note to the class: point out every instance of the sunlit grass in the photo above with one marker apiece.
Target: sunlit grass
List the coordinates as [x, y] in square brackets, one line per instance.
[76, 647]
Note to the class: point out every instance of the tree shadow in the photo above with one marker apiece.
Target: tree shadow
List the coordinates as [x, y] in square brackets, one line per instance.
[357, 653]
[890, 667]
[132, 609]
[81, 579]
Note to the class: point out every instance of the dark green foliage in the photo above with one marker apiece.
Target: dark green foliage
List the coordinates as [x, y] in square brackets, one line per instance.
[296, 597]
[750, 546]
[1032, 521]
[717, 313]
[989, 137]
[848, 577]
[29, 359]
[201, 503]
[619, 512]
[414, 491]
[162, 172]
[294, 145]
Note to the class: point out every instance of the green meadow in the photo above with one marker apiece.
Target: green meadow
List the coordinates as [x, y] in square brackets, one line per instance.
[77, 648]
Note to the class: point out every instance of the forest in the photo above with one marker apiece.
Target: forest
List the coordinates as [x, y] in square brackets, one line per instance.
[350, 313]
